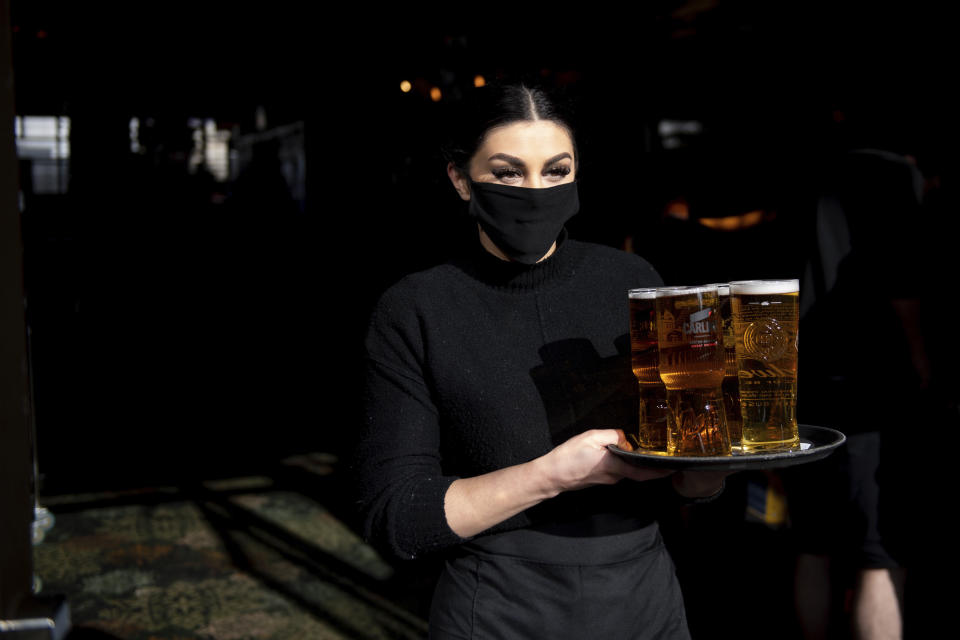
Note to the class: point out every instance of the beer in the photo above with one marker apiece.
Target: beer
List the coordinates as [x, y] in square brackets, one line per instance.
[691, 367]
[731, 383]
[652, 434]
[766, 319]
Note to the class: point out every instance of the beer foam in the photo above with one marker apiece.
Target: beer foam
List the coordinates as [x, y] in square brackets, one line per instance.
[666, 292]
[642, 294]
[723, 288]
[765, 287]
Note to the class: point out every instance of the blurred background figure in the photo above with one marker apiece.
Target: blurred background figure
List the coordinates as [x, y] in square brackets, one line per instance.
[865, 366]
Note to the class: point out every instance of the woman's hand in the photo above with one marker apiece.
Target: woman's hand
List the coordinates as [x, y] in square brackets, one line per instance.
[699, 484]
[475, 504]
[584, 460]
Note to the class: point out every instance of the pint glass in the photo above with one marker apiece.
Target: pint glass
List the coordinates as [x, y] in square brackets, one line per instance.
[691, 367]
[652, 435]
[766, 319]
[731, 383]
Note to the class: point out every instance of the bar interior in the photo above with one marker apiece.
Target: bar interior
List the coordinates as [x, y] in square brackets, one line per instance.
[200, 207]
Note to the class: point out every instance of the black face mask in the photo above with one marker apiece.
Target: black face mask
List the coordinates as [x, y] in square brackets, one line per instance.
[523, 222]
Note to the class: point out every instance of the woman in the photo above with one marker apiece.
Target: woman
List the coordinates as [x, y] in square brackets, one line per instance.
[494, 384]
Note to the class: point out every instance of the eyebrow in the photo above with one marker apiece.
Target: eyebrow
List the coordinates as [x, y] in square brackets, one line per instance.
[508, 158]
[517, 161]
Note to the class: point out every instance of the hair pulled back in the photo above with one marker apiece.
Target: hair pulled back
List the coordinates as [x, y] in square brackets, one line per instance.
[495, 106]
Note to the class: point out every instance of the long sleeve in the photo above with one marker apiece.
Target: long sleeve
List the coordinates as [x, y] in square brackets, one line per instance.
[400, 482]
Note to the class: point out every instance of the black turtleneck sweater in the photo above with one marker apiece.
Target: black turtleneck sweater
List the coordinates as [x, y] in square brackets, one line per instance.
[481, 364]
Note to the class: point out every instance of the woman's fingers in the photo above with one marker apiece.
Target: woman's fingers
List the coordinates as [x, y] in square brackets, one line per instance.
[699, 484]
[624, 469]
[616, 469]
[584, 460]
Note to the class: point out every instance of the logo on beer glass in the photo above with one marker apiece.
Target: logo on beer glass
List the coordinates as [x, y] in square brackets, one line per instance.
[765, 340]
[700, 328]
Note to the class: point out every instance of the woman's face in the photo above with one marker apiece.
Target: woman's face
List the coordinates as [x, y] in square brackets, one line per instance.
[533, 154]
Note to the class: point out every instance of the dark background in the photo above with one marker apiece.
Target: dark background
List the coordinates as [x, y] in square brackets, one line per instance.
[182, 328]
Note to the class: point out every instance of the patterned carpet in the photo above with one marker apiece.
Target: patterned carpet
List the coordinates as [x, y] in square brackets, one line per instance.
[246, 558]
[275, 556]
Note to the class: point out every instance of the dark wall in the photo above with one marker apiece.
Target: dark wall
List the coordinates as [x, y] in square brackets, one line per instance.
[173, 336]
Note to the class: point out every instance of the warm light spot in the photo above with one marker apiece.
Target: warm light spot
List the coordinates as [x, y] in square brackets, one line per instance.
[479, 81]
[678, 209]
[435, 94]
[733, 223]
[405, 86]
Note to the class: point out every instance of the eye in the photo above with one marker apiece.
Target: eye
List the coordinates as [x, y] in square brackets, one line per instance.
[507, 174]
[558, 172]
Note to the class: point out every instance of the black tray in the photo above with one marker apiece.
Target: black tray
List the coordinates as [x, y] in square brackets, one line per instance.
[816, 443]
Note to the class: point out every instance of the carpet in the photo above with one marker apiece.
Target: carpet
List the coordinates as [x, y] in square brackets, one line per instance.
[233, 559]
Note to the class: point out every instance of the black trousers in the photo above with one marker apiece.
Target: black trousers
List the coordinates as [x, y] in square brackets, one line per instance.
[834, 505]
[530, 584]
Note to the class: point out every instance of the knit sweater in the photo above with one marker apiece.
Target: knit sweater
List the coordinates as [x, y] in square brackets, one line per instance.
[480, 364]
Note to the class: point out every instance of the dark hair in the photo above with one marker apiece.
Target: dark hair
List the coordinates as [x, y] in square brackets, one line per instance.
[494, 106]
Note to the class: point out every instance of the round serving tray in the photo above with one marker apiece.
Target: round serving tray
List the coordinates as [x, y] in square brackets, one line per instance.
[816, 443]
